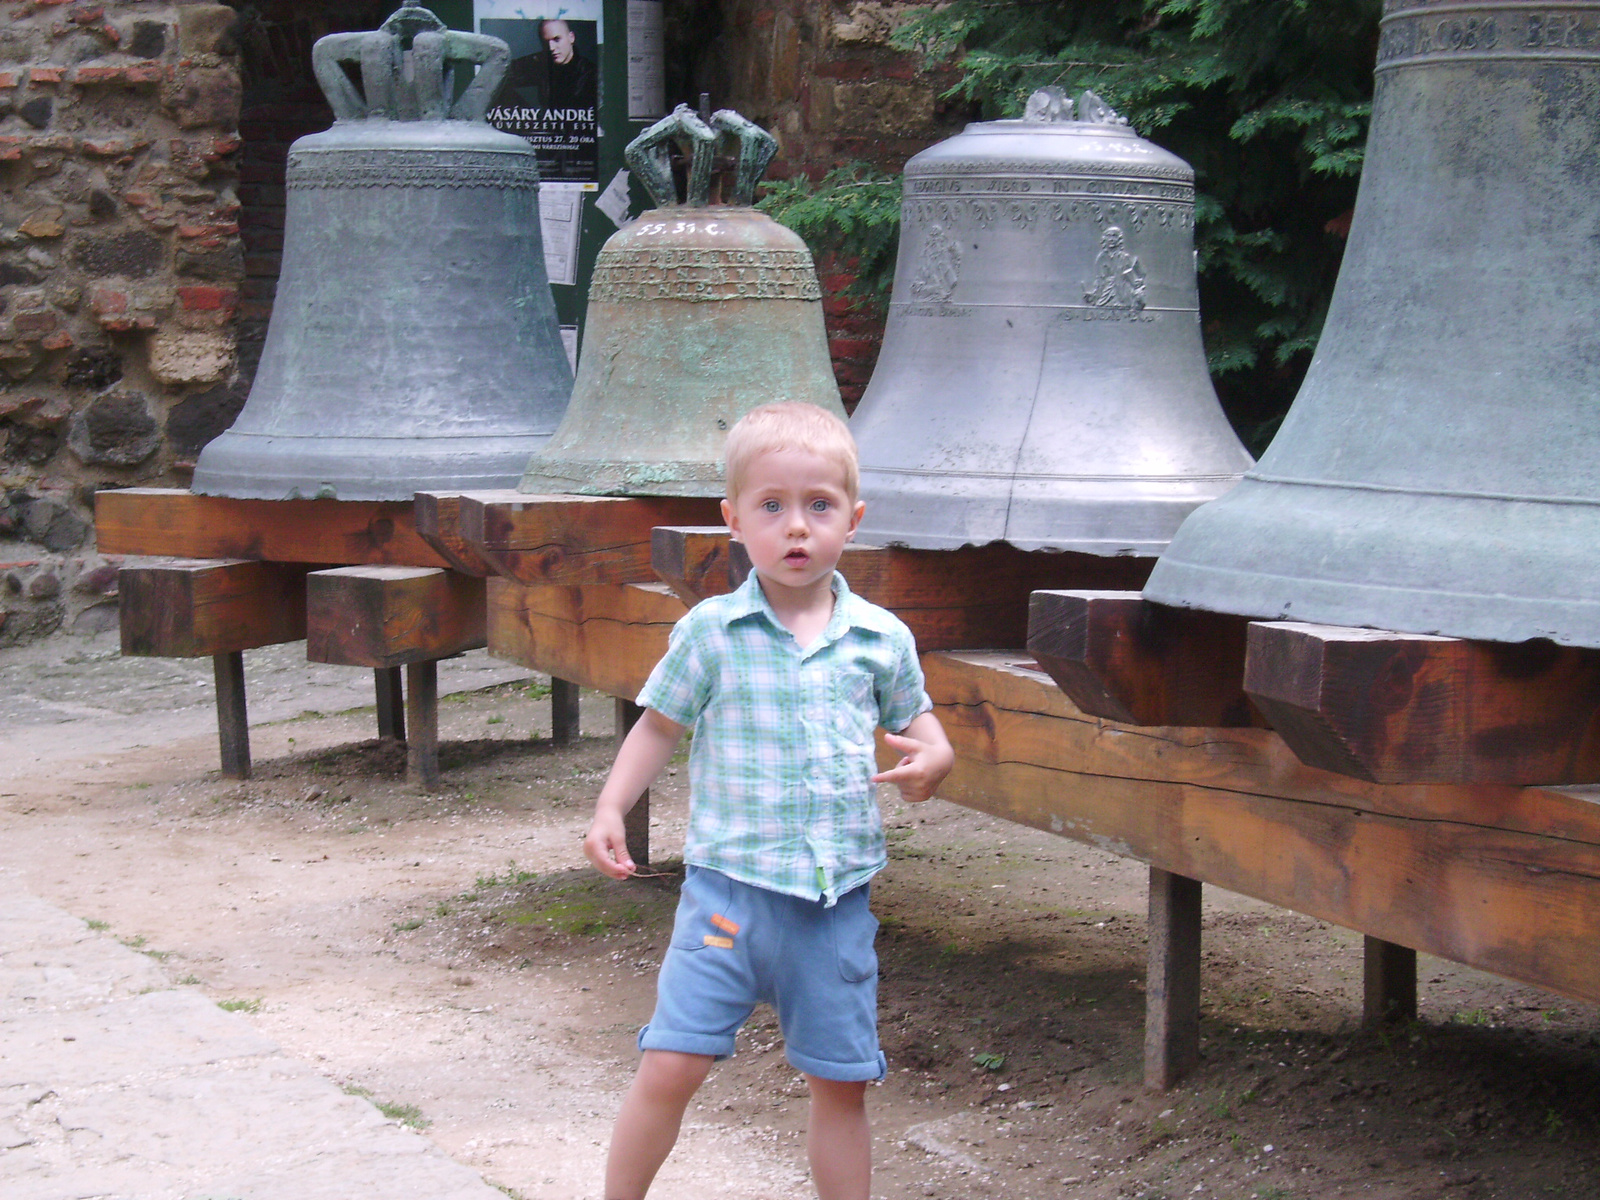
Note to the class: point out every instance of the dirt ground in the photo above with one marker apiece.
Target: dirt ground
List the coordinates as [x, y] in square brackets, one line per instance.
[453, 958]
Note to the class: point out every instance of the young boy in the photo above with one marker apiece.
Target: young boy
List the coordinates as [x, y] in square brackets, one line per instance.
[784, 681]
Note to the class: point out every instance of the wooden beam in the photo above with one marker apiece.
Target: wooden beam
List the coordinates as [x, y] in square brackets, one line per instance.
[573, 540]
[162, 521]
[392, 616]
[636, 823]
[691, 559]
[391, 697]
[1503, 879]
[604, 638]
[422, 720]
[1172, 981]
[233, 721]
[1389, 983]
[1120, 657]
[438, 520]
[565, 711]
[189, 608]
[972, 598]
[1398, 708]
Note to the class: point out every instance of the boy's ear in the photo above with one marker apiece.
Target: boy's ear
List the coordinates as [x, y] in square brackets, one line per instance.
[730, 519]
[855, 519]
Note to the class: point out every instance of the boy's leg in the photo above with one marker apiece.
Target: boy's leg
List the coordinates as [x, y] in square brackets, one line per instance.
[839, 1139]
[648, 1122]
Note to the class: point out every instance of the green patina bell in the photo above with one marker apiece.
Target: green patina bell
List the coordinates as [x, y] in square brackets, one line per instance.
[698, 312]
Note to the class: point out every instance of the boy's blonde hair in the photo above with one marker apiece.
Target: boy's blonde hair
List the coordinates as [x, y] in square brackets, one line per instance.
[790, 426]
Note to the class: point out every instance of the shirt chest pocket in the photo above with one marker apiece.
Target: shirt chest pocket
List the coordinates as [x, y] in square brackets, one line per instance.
[855, 708]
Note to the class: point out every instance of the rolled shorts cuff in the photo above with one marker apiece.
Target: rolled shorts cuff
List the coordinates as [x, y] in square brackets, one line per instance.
[839, 1072]
[719, 1046]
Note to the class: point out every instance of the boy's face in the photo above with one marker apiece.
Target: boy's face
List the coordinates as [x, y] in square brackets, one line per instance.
[794, 517]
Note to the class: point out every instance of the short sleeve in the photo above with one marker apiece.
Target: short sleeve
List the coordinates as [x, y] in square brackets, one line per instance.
[679, 687]
[902, 697]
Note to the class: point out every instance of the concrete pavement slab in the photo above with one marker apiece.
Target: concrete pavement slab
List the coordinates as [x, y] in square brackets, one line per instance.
[114, 1085]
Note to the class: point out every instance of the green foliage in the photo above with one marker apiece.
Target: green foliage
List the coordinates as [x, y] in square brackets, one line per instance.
[1268, 100]
[853, 214]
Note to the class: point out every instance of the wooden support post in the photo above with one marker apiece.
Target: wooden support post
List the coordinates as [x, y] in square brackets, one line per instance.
[575, 540]
[1412, 708]
[1120, 657]
[1389, 982]
[1172, 983]
[233, 724]
[973, 598]
[160, 521]
[391, 703]
[636, 825]
[422, 719]
[565, 718]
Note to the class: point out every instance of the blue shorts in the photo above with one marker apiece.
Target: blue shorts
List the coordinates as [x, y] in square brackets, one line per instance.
[734, 945]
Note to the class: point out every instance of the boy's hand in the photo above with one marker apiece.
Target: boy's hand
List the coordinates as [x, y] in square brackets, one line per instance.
[927, 759]
[606, 846]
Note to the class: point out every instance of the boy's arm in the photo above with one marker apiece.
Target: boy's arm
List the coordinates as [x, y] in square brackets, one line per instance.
[927, 759]
[644, 752]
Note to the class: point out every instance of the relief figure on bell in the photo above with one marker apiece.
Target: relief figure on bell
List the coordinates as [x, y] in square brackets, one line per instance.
[938, 267]
[1119, 277]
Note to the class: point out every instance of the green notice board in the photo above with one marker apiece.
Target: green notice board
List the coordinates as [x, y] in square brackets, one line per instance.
[585, 78]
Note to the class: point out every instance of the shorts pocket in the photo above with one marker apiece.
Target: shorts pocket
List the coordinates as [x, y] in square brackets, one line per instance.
[854, 933]
[705, 895]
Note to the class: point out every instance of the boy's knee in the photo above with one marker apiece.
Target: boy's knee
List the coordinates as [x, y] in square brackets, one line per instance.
[672, 1073]
[837, 1093]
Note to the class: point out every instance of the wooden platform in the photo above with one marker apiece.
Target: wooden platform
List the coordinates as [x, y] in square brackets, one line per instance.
[1502, 878]
[1379, 705]
[239, 579]
[167, 522]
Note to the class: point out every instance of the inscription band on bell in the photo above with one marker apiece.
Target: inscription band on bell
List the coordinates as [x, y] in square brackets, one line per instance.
[703, 274]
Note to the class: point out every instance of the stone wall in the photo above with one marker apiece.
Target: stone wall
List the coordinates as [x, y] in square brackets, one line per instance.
[120, 264]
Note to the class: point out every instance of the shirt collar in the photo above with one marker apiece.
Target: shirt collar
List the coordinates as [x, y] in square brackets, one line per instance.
[849, 610]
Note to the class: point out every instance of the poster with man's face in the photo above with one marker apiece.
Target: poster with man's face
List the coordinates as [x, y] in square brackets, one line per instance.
[551, 93]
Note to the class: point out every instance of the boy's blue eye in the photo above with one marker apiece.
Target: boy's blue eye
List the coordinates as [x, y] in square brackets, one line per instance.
[820, 506]
[771, 506]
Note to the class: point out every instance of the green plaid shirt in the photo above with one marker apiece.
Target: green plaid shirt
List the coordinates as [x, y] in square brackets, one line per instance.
[780, 770]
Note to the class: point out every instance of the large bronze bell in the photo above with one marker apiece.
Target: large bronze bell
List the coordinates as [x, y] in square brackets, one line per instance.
[413, 343]
[1042, 380]
[697, 313]
[1437, 472]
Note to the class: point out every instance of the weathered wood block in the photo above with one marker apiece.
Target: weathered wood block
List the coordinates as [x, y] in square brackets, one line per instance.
[438, 520]
[186, 608]
[1503, 879]
[692, 560]
[162, 521]
[1120, 657]
[573, 540]
[392, 616]
[604, 638]
[1412, 708]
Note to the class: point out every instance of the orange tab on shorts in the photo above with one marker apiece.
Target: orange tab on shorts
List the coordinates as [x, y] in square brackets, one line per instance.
[721, 922]
[721, 943]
